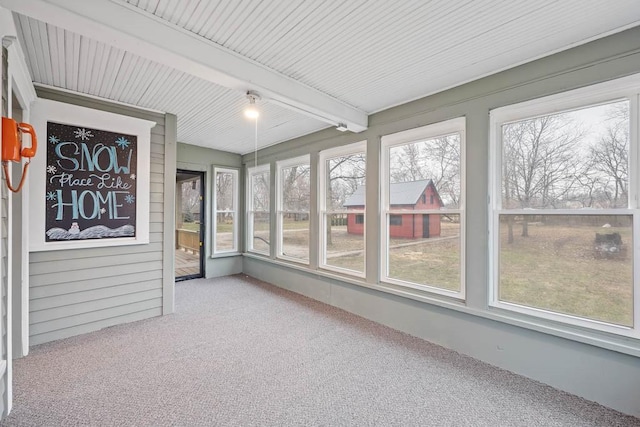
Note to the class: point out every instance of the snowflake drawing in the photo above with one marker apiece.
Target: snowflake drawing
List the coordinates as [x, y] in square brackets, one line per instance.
[83, 134]
[51, 195]
[54, 139]
[129, 198]
[51, 169]
[133, 176]
[103, 210]
[122, 142]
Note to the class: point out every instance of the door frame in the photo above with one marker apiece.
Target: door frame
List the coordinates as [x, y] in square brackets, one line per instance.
[203, 183]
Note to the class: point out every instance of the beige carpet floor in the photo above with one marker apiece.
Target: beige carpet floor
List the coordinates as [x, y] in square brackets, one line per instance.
[239, 352]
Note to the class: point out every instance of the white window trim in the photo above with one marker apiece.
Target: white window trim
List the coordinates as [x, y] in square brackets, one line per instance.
[323, 213]
[234, 211]
[603, 93]
[457, 125]
[251, 171]
[45, 110]
[280, 165]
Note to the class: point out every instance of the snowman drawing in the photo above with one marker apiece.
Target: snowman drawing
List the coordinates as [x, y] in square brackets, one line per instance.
[75, 229]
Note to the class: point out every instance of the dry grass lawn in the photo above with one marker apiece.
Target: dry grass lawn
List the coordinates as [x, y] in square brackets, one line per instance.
[555, 268]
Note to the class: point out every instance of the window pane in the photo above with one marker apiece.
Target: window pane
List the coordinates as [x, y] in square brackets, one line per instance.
[395, 221]
[434, 162]
[224, 191]
[346, 175]
[261, 236]
[345, 241]
[580, 265]
[295, 236]
[295, 185]
[426, 250]
[190, 198]
[260, 189]
[571, 160]
[225, 240]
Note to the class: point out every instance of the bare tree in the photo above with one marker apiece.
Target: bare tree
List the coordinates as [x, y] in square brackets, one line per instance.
[609, 157]
[540, 165]
[224, 195]
[296, 189]
[437, 159]
[260, 201]
[345, 175]
[190, 198]
[445, 153]
[260, 187]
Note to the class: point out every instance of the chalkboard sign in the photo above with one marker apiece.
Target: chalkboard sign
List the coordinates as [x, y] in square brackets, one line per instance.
[90, 186]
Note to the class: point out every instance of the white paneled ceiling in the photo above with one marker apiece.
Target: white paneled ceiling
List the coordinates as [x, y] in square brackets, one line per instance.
[367, 54]
[208, 114]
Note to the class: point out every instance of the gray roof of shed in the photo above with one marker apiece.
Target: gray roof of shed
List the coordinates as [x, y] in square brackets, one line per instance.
[402, 193]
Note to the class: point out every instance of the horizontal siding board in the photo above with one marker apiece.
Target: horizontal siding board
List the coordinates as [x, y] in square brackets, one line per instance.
[156, 238]
[92, 295]
[156, 228]
[156, 217]
[66, 288]
[93, 273]
[157, 177]
[94, 326]
[156, 197]
[82, 254]
[156, 207]
[115, 261]
[157, 167]
[157, 187]
[157, 148]
[68, 315]
[94, 316]
[157, 131]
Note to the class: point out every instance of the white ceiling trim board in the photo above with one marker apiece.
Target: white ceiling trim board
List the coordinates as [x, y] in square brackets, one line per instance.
[152, 38]
[97, 98]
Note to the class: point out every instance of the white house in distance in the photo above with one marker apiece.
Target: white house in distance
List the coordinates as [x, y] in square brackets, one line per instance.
[122, 94]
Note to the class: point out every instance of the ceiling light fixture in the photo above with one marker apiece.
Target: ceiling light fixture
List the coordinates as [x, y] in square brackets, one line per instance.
[251, 112]
[342, 127]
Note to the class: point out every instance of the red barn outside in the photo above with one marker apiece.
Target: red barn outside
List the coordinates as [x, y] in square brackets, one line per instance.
[413, 195]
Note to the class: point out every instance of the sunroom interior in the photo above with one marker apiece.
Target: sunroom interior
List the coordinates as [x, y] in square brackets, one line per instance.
[523, 118]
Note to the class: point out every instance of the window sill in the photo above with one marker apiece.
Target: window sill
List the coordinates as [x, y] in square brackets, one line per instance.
[225, 255]
[620, 344]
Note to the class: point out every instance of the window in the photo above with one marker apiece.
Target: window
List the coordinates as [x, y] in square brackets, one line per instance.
[565, 191]
[342, 207]
[258, 220]
[225, 206]
[422, 247]
[294, 188]
[395, 220]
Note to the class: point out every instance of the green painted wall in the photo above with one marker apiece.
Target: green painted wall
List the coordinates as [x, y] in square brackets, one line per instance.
[600, 368]
[82, 290]
[194, 158]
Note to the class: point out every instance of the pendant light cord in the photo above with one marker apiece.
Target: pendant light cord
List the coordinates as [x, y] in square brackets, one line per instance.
[255, 139]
